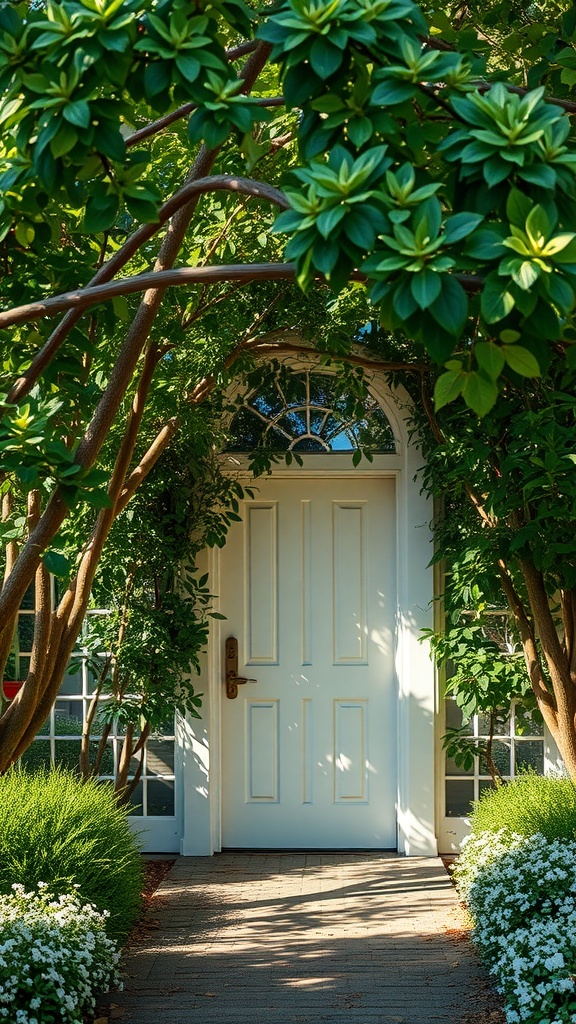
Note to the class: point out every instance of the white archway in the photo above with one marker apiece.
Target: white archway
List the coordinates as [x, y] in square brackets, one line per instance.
[415, 678]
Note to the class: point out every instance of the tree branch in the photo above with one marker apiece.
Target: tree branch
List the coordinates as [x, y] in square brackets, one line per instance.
[120, 377]
[176, 115]
[190, 191]
[147, 462]
[83, 298]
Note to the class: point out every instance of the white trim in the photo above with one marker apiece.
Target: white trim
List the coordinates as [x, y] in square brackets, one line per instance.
[414, 667]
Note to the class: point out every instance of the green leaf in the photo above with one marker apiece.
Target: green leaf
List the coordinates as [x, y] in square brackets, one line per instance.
[539, 174]
[450, 309]
[188, 67]
[325, 58]
[392, 92]
[56, 563]
[77, 113]
[518, 207]
[156, 78]
[143, 210]
[490, 358]
[521, 361]
[496, 302]
[480, 393]
[560, 291]
[426, 287]
[101, 212]
[64, 141]
[24, 234]
[485, 244]
[448, 387]
[461, 225]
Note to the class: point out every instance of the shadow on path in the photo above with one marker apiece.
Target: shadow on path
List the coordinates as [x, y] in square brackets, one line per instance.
[300, 938]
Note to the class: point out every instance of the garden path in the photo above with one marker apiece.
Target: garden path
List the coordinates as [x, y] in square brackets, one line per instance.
[304, 938]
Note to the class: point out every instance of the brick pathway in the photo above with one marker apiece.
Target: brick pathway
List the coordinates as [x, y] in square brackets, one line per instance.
[303, 939]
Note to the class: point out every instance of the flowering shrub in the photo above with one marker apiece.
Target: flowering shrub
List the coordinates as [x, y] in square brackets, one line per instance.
[54, 956]
[521, 893]
[478, 851]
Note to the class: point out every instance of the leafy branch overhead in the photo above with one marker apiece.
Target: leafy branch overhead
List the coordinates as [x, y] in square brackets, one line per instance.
[423, 158]
[455, 196]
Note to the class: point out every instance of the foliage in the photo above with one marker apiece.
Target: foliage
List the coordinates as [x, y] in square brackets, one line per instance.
[520, 891]
[55, 956]
[58, 830]
[527, 805]
[505, 539]
[416, 145]
[481, 849]
[485, 672]
[158, 606]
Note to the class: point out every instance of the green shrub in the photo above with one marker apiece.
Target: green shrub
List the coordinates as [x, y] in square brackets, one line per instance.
[58, 830]
[528, 805]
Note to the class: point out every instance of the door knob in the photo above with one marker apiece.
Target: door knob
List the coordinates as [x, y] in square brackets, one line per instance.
[233, 680]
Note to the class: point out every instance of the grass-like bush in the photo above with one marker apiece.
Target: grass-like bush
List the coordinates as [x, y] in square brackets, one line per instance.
[58, 830]
[529, 805]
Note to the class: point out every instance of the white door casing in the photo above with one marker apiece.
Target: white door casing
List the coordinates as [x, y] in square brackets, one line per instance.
[308, 586]
[413, 675]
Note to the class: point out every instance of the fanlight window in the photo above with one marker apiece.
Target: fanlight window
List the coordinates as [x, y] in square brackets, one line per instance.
[306, 412]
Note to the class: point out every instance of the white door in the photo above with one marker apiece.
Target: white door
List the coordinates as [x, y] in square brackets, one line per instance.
[308, 588]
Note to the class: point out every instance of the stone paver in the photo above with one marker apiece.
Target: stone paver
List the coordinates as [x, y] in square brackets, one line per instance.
[301, 938]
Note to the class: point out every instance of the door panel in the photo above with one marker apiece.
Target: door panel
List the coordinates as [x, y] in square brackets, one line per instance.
[308, 587]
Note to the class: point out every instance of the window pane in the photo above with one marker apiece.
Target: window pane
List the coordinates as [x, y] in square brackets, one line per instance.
[166, 727]
[527, 723]
[530, 754]
[72, 682]
[160, 757]
[37, 756]
[160, 797]
[25, 632]
[485, 784]
[454, 717]
[459, 798]
[23, 668]
[136, 800]
[453, 769]
[501, 725]
[501, 754]
[67, 754]
[328, 415]
[107, 762]
[69, 717]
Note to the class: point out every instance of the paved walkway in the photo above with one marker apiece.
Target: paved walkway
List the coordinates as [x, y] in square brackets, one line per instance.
[303, 939]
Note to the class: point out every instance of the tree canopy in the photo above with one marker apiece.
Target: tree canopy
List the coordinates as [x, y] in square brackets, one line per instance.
[425, 154]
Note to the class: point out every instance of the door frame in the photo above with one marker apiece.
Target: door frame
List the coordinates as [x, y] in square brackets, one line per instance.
[414, 670]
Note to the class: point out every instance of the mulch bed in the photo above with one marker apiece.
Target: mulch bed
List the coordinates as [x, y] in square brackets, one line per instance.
[492, 1012]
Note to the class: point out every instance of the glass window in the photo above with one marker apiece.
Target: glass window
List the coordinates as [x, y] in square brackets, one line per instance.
[306, 412]
[59, 742]
[459, 797]
[518, 745]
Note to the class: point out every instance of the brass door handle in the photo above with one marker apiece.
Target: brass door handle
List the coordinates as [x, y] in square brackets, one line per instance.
[233, 680]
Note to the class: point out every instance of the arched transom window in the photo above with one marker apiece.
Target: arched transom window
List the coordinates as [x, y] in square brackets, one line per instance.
[307, 411]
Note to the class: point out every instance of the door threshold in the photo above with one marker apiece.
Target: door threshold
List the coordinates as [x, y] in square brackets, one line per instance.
[284, 850]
